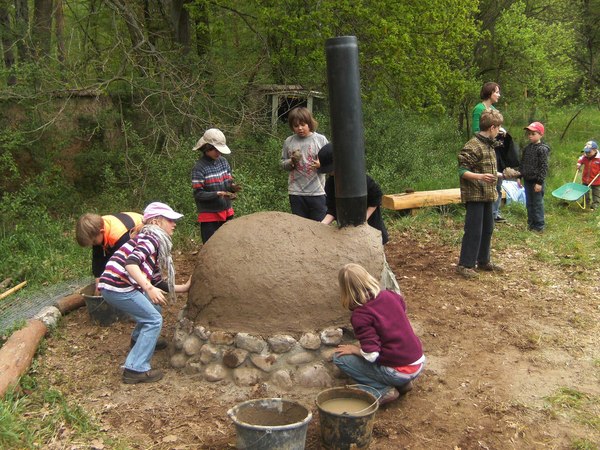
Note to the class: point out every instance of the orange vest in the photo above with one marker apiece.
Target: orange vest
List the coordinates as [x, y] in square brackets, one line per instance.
[116, 225]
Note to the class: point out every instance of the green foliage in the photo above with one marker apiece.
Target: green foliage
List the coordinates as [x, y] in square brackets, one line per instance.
[411, 151]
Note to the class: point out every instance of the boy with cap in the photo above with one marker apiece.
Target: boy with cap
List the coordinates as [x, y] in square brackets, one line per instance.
[129, 284]
[534, 169]
[212, 183]
[590, 161]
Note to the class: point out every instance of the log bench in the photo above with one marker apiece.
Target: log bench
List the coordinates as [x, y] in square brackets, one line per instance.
[421, 199]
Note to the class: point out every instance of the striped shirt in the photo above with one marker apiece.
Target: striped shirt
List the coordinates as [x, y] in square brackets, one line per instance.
[208, 177]
[141, 251]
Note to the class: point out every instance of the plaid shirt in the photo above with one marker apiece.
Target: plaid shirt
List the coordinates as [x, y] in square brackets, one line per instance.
[477, 156]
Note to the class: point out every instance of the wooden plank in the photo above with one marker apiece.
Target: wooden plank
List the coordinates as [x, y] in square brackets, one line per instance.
[420, 199]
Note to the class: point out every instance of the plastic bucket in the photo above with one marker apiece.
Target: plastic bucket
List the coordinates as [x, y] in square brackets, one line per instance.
[346, 416]
[270, 424]
[100, 312]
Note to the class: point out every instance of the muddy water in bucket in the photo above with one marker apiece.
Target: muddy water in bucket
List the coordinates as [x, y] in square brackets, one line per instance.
[346, 416]
[270, 424]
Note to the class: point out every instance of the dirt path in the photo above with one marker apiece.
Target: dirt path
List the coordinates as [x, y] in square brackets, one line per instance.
[496, 348]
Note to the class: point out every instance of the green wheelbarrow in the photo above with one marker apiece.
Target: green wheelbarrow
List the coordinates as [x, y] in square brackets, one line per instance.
[574, 192]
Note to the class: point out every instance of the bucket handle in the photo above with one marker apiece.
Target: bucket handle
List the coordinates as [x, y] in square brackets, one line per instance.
[377, 396]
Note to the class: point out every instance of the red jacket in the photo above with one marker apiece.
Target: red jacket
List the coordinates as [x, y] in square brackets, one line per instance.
[591, 168]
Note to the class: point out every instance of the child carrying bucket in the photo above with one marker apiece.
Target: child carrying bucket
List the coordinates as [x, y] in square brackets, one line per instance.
[390, 355]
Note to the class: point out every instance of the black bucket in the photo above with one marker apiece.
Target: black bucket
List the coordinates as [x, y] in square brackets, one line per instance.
[100, 312]
[346, 416]
[270, 424]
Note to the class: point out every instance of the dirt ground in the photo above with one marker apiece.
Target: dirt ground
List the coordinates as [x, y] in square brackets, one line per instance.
[497, 348]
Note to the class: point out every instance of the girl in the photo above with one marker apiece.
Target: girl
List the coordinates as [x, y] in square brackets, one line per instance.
[129, 284]
[390, 355]
[300, 158]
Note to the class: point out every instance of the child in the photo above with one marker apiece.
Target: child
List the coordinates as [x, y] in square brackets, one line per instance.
[590, 161]
[105, 234]
[374, 194]
[390, 355]
[534, 168]
[128, 284]
[478, 176]
[212, 183]
[300, 157]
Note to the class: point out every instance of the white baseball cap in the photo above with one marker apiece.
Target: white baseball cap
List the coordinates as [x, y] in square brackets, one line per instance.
[216, 138]
[156, 209]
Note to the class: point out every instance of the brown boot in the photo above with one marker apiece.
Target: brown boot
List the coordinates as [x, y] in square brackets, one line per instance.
[133, 377]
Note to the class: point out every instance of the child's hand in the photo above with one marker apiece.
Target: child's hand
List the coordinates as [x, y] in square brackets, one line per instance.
[347, 349]
[235, 187]
[489, 178]
[156, 296]
[296, 157]
[537, 188]
[316, 164]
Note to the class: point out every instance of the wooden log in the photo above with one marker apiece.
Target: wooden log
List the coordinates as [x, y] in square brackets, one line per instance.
[13, 289]
[420, 199]
[70, 302]
[17, 353]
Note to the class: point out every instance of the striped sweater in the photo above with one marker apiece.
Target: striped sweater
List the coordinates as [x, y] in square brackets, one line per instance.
[141, 251]
[208, 177]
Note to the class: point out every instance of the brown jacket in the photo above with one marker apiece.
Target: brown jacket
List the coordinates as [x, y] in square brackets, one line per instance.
[477, 156]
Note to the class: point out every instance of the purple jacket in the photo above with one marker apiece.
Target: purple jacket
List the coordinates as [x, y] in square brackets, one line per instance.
[381, 326]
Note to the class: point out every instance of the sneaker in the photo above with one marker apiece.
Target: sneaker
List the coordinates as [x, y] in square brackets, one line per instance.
[499, 219]
[391, 395]
[161, 343]
[133, 377]
[490, 267]
[466, 272]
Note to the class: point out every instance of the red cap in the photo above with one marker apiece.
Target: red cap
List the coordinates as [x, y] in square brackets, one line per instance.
[535, 126]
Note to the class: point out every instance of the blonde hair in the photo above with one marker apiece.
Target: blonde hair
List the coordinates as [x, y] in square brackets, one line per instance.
[88, 227]
[357, 286]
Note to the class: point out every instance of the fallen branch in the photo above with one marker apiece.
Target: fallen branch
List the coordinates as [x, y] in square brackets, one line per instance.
[13, 289]
[17, 353]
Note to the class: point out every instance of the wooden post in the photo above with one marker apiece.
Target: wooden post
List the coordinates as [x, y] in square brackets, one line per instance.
[17, 353]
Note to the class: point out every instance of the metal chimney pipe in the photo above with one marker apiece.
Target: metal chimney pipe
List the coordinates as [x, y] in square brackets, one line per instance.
[347, 130]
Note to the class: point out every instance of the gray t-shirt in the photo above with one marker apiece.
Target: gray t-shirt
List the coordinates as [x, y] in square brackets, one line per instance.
[304, 179]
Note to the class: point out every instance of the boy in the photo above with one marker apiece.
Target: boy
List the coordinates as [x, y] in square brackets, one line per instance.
[478, 174]
[374, 194]
[299, 157]
[534, 168]
[212, 183]
[590, 161]
[105, 234]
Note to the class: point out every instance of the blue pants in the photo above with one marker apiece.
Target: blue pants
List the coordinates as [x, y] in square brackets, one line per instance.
[381, 378]
[314, 208]
[535, 206]
[147, 330]
[498, 202]
[477, 240]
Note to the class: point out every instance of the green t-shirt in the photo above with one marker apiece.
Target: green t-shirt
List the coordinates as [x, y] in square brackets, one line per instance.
[479, 108]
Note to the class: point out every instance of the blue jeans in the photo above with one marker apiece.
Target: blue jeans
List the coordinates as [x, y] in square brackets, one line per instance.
[145, 334]
[535, 206]
[498, 202]
[477, 240]
[381, 378]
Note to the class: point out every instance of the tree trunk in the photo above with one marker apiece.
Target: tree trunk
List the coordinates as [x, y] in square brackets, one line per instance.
[21, 29]
[59, 20]
[42, 27]
[7, 43]
[202, 34]
[180, 19]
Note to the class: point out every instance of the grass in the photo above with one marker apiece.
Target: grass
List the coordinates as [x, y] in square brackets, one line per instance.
[582, 407]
